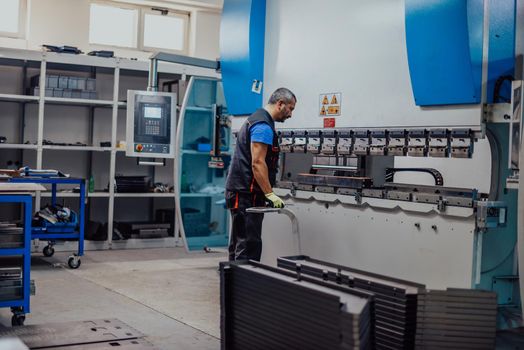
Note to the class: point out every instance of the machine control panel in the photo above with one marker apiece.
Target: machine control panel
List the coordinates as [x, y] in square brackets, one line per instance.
[151, 123]
[439, 143]
[152, 148]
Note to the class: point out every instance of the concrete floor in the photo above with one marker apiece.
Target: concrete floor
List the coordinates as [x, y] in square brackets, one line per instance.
[170, 296]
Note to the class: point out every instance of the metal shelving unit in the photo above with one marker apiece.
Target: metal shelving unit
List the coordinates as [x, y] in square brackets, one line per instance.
[20, 306]
[17, 146]
[77, 148]
[117, 68]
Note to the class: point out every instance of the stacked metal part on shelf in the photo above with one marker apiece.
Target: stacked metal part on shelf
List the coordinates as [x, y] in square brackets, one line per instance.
[456, 318]
[11, 236]
[10, 283]
[269, 308]
[395, 300]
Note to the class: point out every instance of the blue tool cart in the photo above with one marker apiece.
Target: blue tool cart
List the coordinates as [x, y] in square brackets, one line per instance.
[19, 305]
[61, 231]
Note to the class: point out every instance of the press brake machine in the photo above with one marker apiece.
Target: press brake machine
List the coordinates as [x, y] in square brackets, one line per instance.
[397, 158]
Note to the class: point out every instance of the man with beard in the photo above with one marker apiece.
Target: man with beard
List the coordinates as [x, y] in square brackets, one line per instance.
[252, 174]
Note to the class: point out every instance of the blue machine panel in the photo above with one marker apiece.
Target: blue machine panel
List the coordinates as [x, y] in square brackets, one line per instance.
[242, 32]
[502, 17]
[444, 59]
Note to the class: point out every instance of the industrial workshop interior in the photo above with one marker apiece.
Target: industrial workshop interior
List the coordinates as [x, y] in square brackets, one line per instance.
[261, 174]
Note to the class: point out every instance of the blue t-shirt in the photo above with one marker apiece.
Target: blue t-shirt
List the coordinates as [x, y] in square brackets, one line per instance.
[261, 132]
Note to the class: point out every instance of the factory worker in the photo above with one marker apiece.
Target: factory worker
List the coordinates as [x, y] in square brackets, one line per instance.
[252, 174]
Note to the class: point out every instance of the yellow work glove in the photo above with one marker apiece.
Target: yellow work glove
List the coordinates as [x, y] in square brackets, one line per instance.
[275, 200]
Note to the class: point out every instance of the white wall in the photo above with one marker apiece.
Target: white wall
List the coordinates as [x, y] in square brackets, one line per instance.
[66, 22]
[205, 34]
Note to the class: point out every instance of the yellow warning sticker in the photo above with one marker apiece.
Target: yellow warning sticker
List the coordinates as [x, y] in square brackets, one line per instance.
[330, 104]
[333, 110]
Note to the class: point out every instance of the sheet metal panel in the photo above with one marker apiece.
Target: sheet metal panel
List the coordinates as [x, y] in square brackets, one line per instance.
[72, 333]
[263, 307]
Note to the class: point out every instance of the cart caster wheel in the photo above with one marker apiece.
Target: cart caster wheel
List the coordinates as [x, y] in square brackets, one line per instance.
[49, 251]
[17, 320]
[74, 262]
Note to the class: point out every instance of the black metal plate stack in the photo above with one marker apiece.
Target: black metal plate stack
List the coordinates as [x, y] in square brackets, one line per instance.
[10, 283]
[269, 308]
[456, 318]
[395, 300]
[136, 184]
[11, 236]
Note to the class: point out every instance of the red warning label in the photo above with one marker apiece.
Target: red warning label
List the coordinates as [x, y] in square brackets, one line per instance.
[329, 122]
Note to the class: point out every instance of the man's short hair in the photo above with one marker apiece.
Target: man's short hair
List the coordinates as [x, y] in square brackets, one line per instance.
[282, 94]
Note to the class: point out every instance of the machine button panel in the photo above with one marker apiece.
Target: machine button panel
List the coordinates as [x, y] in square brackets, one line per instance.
[152, 148]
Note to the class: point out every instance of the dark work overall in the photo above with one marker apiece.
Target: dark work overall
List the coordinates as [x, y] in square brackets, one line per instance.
[242, 191]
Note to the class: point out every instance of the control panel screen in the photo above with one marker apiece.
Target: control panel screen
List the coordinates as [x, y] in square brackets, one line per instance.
[152, 123]
[152, 112]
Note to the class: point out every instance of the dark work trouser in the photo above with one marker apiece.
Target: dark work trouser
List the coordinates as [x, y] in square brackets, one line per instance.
[246, 228]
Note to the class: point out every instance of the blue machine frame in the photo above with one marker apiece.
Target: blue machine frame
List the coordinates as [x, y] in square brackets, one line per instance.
[242, 33]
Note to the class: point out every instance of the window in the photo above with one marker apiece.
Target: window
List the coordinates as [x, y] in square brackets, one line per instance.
[138, 27]
[114, 26]
[166, 32]
[12, 18]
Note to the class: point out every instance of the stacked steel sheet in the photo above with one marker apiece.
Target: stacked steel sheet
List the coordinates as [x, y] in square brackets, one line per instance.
[270, 308]
[10, 283]
[395, 300]
[11, 236]
[456, 318]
